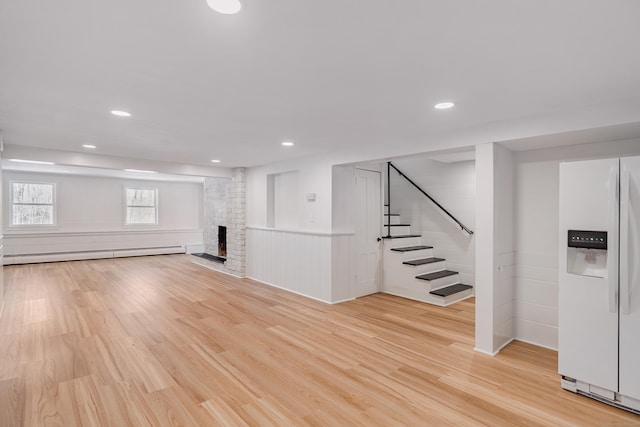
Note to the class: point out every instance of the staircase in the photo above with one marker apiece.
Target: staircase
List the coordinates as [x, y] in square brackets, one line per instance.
[411, 270]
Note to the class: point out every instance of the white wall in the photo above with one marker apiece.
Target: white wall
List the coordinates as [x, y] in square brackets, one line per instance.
[536, 235]
[494, 247]
[314, 176]
[343, 256]
[453, 186]
[90, 216]
[286, 200]
[316, 257]
[296, 257]
[343, 194]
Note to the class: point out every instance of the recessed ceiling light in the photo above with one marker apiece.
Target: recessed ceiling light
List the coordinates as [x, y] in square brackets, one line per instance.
[88, 146]
[287, 143]
[139, 170]
[227, 7]
[443, 105]
[215, 161]
[120, 113]
[35, 162]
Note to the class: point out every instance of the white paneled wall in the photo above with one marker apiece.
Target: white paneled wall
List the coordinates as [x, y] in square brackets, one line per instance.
[453, 186]
[536, 235]
[343, 267]
[300, 262]
[296, 261]
[536, 274]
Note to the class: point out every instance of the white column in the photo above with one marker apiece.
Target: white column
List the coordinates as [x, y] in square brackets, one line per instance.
[484, 247]
[495, 247]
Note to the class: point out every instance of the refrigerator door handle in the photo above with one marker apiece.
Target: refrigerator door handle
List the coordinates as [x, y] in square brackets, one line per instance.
[613, 244]
[625, 290]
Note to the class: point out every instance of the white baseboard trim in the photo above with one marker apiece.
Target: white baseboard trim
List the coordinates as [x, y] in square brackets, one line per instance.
[488, 353]
[535, 343]
[504, 345]
[342, 300]
[77, 256]
[289, 290]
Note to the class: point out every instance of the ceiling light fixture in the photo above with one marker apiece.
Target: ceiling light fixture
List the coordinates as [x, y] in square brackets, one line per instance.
[227, 7]
[443, 105]
[120, 113]
[287, 144]
[139, 170]
[33, 162]
[88, 146]
[215, 161]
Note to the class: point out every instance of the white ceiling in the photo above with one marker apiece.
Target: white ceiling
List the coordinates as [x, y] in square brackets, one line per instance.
[358, 76]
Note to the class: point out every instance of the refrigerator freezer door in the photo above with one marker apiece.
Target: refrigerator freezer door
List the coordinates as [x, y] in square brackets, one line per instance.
[588, 311]
[630, 277]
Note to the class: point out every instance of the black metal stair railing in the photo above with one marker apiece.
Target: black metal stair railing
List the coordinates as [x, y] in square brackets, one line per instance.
[446, 212]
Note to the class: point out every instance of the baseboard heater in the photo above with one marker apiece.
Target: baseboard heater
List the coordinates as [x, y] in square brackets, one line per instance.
[76, 256]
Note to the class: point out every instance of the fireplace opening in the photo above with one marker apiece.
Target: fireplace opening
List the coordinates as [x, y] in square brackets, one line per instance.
[222, 241]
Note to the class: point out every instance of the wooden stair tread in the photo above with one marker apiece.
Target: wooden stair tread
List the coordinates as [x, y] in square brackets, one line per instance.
[402, 236]
[423, 261]
[397, 225]
[436, 275]
[450, 290]
[411, 248]
[391, 214]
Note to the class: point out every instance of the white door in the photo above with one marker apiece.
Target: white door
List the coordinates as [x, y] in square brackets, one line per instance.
[630, 277]
[368, 222]
[588, 311]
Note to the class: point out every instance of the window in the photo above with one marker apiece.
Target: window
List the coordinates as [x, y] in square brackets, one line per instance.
[142, 206]
[32, 204]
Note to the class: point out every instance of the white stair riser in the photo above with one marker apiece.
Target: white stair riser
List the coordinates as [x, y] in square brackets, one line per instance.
[393, 219]
[439, 283]
[400, 243]
[428, 268]
[401, 276]
[459, 296]
[400, 257]
[398, 230]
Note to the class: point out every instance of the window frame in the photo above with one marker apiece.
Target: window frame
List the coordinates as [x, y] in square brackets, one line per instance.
[126, 206]
[54, 205]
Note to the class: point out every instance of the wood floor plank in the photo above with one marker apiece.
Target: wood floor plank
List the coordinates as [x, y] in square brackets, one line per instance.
[12, 395]
[161, 341]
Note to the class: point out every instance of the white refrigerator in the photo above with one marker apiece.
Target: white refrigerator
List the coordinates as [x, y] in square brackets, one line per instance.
[599, 280]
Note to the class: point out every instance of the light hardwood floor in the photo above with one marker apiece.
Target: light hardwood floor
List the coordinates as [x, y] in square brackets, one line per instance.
[157, 341]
